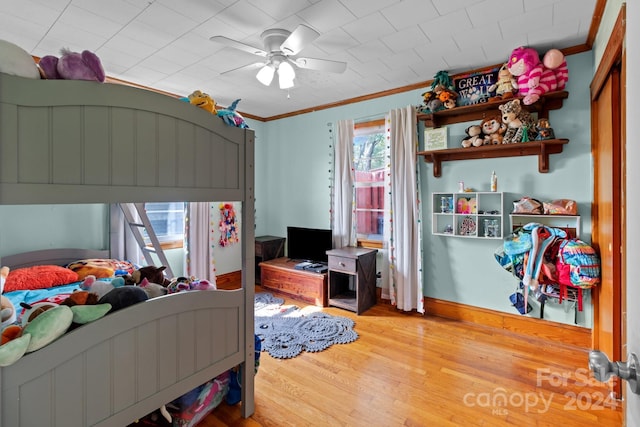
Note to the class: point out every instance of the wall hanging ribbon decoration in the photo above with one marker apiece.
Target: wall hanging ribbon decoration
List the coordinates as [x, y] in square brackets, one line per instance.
[229, 233]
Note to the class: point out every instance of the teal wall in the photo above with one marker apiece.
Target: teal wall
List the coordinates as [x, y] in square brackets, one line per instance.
[293, 169]
[464, 270]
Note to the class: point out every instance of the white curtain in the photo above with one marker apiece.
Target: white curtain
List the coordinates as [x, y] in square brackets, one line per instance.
[199, 241]
[344, 227]
[403, 220]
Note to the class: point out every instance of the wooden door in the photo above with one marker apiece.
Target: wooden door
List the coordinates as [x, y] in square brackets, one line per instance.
[608, 216]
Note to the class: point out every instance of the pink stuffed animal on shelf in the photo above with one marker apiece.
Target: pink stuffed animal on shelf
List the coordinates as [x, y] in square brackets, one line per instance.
[536, 77]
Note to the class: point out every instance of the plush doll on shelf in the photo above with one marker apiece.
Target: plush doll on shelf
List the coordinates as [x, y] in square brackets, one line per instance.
[474, 137]
[72, 66]
[493, 130]
[505, 86]
[534, 78]
[519, 122]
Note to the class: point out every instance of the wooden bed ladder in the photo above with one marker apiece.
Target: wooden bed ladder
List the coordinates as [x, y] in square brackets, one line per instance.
[141, 222]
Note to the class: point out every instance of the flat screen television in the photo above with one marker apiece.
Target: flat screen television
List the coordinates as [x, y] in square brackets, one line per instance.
[308, 244]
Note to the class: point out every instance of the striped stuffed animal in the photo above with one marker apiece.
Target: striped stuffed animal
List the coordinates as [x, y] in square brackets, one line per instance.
[534, 79]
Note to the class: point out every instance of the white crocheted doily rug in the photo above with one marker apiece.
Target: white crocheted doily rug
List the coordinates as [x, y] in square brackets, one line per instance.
[286, 331]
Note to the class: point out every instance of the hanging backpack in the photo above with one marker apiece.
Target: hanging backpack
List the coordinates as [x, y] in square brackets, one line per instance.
[578, 264]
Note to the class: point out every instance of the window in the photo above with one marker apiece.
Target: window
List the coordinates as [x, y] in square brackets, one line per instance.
[167, 220]
[369, 166]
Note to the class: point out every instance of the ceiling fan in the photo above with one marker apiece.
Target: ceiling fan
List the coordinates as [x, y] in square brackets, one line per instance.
[280, 50]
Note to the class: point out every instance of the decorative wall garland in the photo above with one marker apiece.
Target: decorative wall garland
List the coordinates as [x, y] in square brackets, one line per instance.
[229, 232]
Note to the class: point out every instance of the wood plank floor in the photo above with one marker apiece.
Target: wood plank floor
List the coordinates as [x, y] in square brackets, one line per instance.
[410, 370]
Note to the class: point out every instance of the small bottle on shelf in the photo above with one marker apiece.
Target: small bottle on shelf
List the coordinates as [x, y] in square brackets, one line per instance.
[494, 182]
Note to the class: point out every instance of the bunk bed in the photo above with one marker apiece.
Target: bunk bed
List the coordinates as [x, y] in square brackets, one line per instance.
[75, 142]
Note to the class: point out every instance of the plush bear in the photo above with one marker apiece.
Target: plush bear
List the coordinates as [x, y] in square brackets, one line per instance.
[493, 130]
[505, 86]
[534, 78]
[474, 137]
[72, 66]
[519, 122]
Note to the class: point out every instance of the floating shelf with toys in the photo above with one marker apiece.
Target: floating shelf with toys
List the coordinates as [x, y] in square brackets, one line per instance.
[547, 102]
[525, 84]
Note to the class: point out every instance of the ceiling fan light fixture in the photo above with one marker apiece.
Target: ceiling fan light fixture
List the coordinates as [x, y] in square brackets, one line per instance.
[265, 75]
[286, 71]
[285, 83]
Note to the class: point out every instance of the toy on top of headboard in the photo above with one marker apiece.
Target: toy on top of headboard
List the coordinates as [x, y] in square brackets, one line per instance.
[202, 100]
[231, 117]
[72, 66]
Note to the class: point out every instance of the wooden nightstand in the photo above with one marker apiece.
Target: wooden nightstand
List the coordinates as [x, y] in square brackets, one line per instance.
[352, 278]
[267, 248]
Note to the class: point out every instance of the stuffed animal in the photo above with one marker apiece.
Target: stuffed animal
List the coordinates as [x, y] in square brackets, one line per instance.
[555, 60]
[150, 272]
[72, 66]
[448, 98]
[203, 100]
[520, 124]
[123, 297]
[431, 102]
[493, 130]
[474, 137]
[505, 86]
[17, 61]
[101, 287]
[181, 284]
[152, 290]
[231, 117]
[534, 79]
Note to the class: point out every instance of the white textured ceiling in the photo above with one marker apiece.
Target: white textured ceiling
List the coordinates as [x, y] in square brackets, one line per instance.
[164, 44]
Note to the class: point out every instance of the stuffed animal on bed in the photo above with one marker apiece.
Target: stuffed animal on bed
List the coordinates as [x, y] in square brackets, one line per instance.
[72, 66]
[150, 272]
[101, 287]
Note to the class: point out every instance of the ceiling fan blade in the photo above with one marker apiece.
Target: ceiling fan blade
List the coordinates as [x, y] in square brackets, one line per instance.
[321, 64]
[298, 39]
[252, 66]
[238, 45]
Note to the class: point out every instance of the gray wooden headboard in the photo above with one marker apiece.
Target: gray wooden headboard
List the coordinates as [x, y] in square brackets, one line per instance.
[67, 141]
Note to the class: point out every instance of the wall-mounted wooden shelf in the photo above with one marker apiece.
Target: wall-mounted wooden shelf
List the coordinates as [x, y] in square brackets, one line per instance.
[547, 102]
[542, 149]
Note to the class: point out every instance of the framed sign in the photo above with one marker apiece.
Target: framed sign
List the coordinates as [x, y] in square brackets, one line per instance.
[435, 139]
[473, 88]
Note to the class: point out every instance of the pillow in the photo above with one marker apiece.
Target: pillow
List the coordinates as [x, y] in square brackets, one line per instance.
[101, 268]
[17, 61]
[39, 277]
